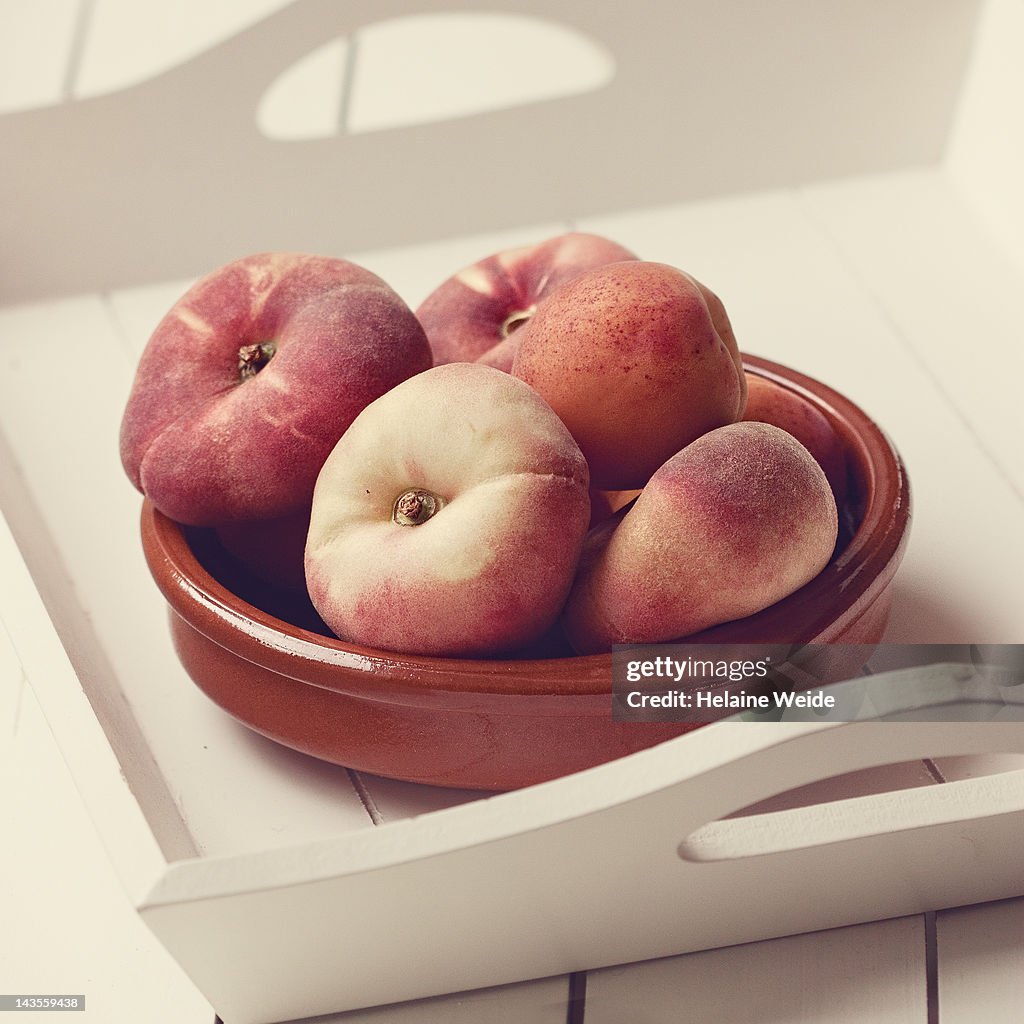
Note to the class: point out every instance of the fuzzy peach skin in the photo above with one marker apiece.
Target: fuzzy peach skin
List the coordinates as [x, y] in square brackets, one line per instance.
[490, 570]
[475, 314]
[768, 402]
[638, 359]
[210, 442]
[737, 520]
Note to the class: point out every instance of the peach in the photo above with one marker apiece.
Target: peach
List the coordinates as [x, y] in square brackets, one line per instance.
[638, 359]
[251, 378]
[475, 314]
[737, 520]
[768, 402]
[449, 517]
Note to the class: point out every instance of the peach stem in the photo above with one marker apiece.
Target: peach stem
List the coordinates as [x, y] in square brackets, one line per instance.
[252, 358]
[416, 506]
[516, 320]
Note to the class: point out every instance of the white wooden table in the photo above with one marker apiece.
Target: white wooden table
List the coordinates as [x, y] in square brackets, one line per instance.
[901, 289]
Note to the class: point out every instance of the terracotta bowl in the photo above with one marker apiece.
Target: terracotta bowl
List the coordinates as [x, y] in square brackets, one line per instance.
[265, 657]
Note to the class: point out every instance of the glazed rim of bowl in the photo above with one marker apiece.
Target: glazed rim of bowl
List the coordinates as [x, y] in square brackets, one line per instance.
[836, 597]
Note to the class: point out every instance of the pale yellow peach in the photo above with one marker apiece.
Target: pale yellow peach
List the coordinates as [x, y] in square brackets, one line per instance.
[449, 518]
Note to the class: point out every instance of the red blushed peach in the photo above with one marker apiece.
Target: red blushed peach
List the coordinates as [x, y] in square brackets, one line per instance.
[251, 378]
[638, 359]
[449, 518]
[768, 402]
[475, 314]
[734, 522]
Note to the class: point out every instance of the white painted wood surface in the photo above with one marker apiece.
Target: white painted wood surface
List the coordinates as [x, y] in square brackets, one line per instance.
[874, 972]
[217, 148]
[899, 288]
[68, 925]
[981, 963]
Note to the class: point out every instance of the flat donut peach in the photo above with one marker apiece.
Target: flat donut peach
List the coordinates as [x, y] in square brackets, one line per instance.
[737, 520]
[448, 519]
[253, 375]
[475, 314]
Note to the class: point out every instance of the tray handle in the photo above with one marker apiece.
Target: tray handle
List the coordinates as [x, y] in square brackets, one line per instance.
[925, 712]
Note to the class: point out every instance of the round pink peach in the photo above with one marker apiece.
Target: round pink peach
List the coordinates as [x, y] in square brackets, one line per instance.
[737, 520]
[638, 359]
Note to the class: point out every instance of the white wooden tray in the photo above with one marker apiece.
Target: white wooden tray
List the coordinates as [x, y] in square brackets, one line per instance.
[263, 871]
[286, 887]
